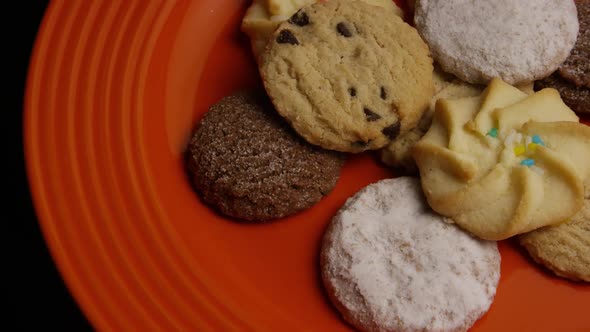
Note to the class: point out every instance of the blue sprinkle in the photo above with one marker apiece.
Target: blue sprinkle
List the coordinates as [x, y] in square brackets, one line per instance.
[493, 132]
[527, 162]
[538, 140]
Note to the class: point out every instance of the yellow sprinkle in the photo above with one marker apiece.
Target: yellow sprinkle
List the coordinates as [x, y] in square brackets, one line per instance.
[519, 150]
[532, 147]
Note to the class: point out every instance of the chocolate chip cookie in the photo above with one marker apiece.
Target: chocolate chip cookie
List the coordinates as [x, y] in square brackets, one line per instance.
[347, 75]
[245, 160]
[572, 79]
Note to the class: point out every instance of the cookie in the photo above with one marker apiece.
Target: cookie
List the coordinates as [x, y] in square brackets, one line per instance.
[388, 5]
[576, 67]
[564, 249]
[504, 163]
[347, 75]
[576, 97]
[389, 263]
[245, 161]
[517, 41]
[286, 7]
[572, 79]
[398, 154]
[264, 16]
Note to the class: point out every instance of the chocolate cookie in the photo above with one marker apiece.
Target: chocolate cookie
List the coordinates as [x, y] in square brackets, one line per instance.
[347, 75]
[572, 79]
[248, 163]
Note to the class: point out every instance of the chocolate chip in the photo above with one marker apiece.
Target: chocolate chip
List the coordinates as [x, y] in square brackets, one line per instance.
[371, 116]
[391, 131]
[343, 29]
[360, 144]
[383, 93]
[352, 92]
[300, 18]
[287, 37]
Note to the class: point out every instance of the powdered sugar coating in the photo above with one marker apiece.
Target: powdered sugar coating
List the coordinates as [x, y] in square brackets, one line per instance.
[390, 264]
[518, 41]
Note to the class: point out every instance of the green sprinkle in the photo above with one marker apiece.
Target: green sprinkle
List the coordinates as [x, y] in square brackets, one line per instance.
[493, 132]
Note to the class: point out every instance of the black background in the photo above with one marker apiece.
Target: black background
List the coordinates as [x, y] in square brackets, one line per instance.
[37, 298]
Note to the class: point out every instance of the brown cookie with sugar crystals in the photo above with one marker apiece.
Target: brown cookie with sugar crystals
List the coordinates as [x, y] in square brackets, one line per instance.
[245, 161]
[572, 79]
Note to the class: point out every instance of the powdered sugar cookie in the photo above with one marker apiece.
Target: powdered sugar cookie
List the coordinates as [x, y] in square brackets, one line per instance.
[391, 264]
[518, 41]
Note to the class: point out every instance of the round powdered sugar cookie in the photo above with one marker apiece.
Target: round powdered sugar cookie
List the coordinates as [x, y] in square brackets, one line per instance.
[391, 264]
[518, 41]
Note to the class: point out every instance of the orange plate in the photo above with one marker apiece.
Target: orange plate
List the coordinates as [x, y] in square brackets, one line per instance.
[114, 89]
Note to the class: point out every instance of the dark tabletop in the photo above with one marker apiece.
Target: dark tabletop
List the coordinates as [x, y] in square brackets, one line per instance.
[37, 298]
